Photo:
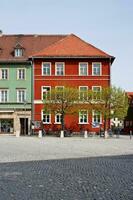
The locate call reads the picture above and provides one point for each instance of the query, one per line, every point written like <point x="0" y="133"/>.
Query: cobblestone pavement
<point x="14" y="149"/>
<point x="98" y="178"/>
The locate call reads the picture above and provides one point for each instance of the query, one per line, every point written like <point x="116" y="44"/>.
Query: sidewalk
<point x="46" y="148"/>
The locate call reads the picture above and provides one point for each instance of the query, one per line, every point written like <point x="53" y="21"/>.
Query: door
<point x="23" y="126"/>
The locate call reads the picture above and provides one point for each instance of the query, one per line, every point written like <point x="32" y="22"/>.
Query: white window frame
<point x="46" y="70"/>
<point x="18" y="78"/>
<point x="21" y="100"/>
<point x="97" y="86"/>
<point x="44" y="88"/>
<point x="7" y="97"/>
<point x="80" y="117"/>
<point x="42" y="115"/>
<point x="93" y="114"/>
<point x="56" y="87"/>
<point x="93" y="69"/>
<point x="80" y="91"/>
<point x="3" y="78"/>
<point x="58" y="114"/>
<point x="18" y="52"/>
<point x="80" y="68"/>
<point x="57" y="67"/>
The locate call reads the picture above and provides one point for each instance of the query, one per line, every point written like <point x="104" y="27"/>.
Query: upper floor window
<point x="21" y="74"/>
<point x="45" y="92"/>
<point x="46" y="69"/>
<point x="18" y="52"/>
<point x="4" y="74"/>
<point x="83" y="117"/>
<point x="96" y="69"/>
<point x="21" y="95"/>
<point x="59" y="92"/>
<point x="96" y="92"/>
<point x="59" y="69"/>
<point x="3" y="95"/>
<point x="83" y="92"/>
<point x="83" y="69"/>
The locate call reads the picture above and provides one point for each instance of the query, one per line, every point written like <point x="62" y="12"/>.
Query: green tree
<point x="111" y="102"/>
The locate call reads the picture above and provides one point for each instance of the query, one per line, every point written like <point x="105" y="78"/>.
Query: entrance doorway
<point x="6" y="126"/>
<point x="23" y="126"/>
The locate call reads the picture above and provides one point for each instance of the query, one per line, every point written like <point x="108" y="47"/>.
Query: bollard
<point x="106" y="134"/>
<point x="85" y="135"/>
<point x="40" y="134"/>
<point x="130" y="134"/>
<point x="62" y="134"/>
<point x="17" y="133"/>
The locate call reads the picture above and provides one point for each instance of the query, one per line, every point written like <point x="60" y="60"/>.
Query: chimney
<point x="1" y="33"/>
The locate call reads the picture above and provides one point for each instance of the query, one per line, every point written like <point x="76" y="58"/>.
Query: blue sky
<point x="107" y="24"/>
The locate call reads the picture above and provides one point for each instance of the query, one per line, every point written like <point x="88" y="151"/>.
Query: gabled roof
<point x="30" y="43"/>
<point x="72" y="46"/>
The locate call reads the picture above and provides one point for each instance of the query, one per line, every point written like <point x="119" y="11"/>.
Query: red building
<point x="72" y="62"/>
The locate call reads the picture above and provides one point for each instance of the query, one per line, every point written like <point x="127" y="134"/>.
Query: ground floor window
<point x="46" y="117"/>
<point x="83" y="117"/>
<point x="6" y="126"/>
<point x="96" y="119"/>
<point x="58" y="118"/>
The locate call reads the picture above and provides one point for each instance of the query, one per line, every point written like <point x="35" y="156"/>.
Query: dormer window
<point x="18" y="52"/>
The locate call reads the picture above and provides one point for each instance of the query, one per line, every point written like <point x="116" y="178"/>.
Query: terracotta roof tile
<point x="30" y="43"/>
<point x="71" y="46"/>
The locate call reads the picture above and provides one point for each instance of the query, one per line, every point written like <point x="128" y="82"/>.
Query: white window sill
<point x="47" y="123"/>
<point x="83" y="123"/>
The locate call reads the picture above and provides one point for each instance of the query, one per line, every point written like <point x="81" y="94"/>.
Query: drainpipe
<point x="32" y="93"/>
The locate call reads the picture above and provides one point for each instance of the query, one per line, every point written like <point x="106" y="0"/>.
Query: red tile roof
<point x="30" y="44"/>
<point x="129" y="94"/>
<point x="72" y="46"/>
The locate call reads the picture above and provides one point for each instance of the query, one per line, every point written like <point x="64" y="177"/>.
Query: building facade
<point x="75" y="63"/>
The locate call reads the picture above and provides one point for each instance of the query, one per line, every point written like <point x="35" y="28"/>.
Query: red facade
<point x="72" y="78"/>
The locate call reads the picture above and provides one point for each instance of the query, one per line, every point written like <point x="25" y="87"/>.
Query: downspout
<point x="32" y="94"/>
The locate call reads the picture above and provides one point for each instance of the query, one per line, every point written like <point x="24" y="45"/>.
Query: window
<point x="96" y="69"/>
<point x="46" y="92"/>
<point x="83" y="117"/>
<point x="3" y="95"/>
<point x="18" y="52"/>
<point x="4" y="74"/>
<point x="96" y="92"/>
<point x="46" y="117"/>
<point x="59" y="71"/>
<point x="96" y="119"/>
<point x="46" y="69"/>
<point x="21" y="95"/>
<point x="59" y="92"/>
<point x="83" y="92"/>
<point x="83" y="69"/>
<point x="58" y="118"/>
<point x="20" y="74"/>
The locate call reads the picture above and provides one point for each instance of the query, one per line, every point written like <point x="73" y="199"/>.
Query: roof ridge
<point x="50" y="35"/>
